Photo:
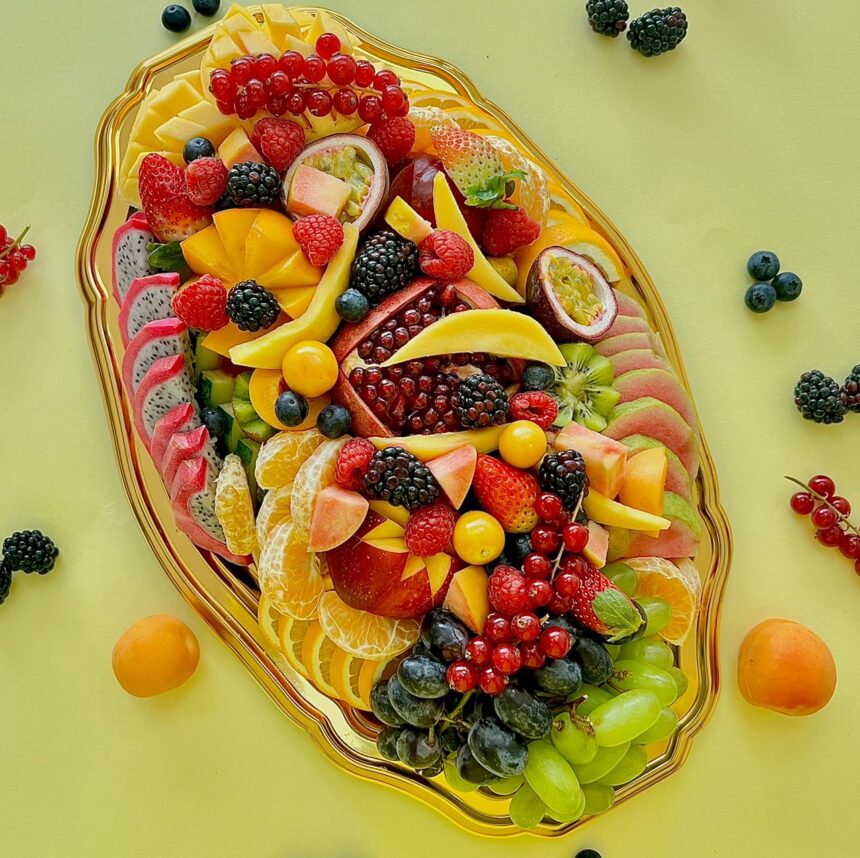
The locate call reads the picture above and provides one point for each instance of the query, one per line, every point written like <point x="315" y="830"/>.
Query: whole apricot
<point x="786" y="667"/>
<point x="155" y="655"/>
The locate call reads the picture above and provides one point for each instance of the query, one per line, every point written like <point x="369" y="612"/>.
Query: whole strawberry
<point x="319" y="236"/>
<point x="395" y="137"/>
<point x="507" y="493"/>
<point x="206" y="180"/>
<point x="278" y="141"/>
<point x="507" y="590"/>
<point x="600" y="606"/>
<point x="445" y="255"/>
<point x="170" y="213"/>
<point x="508" y="230"/>
<point x="202" y="304"/>
<point x="430" y="529"/>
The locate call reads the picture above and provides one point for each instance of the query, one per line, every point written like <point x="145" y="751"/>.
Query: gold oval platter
<point x="227" y="596"/>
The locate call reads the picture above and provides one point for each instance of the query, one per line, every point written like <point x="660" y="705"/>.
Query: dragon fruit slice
<point x="193" y="499"/>
<point x="182" y="418"/>
<point x="189" y="445"/>
<point x="159" y="339"/>
<point x="130" y="256"/>
<point x="148" y="299"/>
<point x="167" y="383"/>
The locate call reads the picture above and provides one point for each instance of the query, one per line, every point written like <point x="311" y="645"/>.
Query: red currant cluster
<point x="829" y="513"/>
<point x="14" y="256"/>
<point x="325" y="81"/>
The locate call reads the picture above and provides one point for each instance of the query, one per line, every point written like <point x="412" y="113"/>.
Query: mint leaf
<point x="616" y="612"/>
<point x="167" y="257"/>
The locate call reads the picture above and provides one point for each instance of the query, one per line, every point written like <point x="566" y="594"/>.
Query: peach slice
<point x="597" y="547"/>
<point x="338" y="514"/>
<point x="454" y="472"/>
<point x="467" y="597"/>
<point x="238" y="148"/>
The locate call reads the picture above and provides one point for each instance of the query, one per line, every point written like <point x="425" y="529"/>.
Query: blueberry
<point x="538" y="376"/>
<point x="291" y="408"/>
<point x="760" y="297"/>
<point x="215" y="420"/>
<point x="206" y="7"/>
<point x="176" y="18"/>
<point x="763" y="265"/>
<point x="197" y="147"/>
<point x="788" y="286"/>
<point x="588" y="853"/>
<point x="352" y="306"/>
<point x="517" y="546"/>
<point x="334" y="421"/>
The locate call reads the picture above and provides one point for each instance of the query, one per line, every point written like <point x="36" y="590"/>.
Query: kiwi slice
<point x="583" y="388"/>
<point x="246" y="415"/>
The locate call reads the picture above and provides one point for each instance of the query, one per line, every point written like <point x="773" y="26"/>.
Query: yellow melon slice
<point x="255" y="43"/>
<point x="233" y="226"/>
<point x="177" y="130"/>
<point x="279" y="24"/>
<point x="325" y="23"/>
<point x="175" y="97"/>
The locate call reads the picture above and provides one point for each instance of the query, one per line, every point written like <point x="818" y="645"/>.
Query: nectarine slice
<point x="338" y="514"/>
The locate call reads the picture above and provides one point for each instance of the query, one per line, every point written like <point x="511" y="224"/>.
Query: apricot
<point x="786" y="667"/>
<point x="155" y="655"/>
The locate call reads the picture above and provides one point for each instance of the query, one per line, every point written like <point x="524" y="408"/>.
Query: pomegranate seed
<point x="802" y="503"/>
<point x="575" y="537"/>
<point x="479" y="651"/>
<point x="823" y="485"/>
<point x="555" y="642"/>
<point x="327" y="45"/>
<point x="824" y="518"/>
<point x="462" y="676"/>
<point x="526" y="627"/>
<point x="566" y="584"/>
<point x="507" y="658"/>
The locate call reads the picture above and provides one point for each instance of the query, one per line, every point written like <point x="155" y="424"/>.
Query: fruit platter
<point x="402" y="415"/>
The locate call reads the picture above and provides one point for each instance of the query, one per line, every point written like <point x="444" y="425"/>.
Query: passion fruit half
<point x="354" y="161"/>
<point x="569" y="296"/>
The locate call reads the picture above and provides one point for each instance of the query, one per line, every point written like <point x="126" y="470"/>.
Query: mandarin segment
<point x="282" y="456"/>
<point x="234" y="507"/>
<point x="289" y="575"/>
<point x="274" y="510"/>
<point x="313" y="476"/>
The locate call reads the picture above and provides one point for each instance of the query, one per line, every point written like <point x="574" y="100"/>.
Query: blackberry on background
<point x="29" y="551"/>
<point x="817" y="397"/>
<point x="607" y="17"/>
<point x="849" y="394"/>
<point x="658" y="31"/>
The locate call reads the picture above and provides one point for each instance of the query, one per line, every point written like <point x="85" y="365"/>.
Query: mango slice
<point x="233" y="226"/>
<point x="427" y="447"/>
<point x="605" y="511"/>
<point x="205" y="254"/>
<point x="269" y="241"/>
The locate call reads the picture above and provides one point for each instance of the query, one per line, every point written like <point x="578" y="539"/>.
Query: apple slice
<point x="467" y="597"/>
<point x="454" y="472"/>
<point x="605" y="458"/>
<point x="338" y="514"/>
<point x="605" y="511"/>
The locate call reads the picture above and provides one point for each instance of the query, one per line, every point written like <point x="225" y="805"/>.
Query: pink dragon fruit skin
<point x="159" y="339"/>
<point x="130" y="255"/>
<point x="188" y="445"/>
<point x="181" y="418"/>
<point x="148" y="300"/>
<point x="167" y="383"/>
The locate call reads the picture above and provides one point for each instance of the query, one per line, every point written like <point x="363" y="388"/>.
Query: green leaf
<point x="167" y="257"/>
<point x="616" y="612"/>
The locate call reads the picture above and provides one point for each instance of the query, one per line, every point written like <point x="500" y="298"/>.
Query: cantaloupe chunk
<point x="236" y="148"/>
<point x="177" y="130"/>
<point x="279" y="24"/>
<point x="644" y="485"/>
<point x="175" y="97"/>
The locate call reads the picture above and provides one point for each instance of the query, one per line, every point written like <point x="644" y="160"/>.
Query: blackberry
<point x="251" y="306"/>
<point x="658" y="31"/>
<point x="385" y="263"/>
<point x="251" y="185"/>
<point x="29" y="551"/>
<point x="817" y="398"/>
<point x="564" y="474"/>
<point x="607" y="17"/>
<point x="5" y="580"/>
<point x="400" y="478"/>
<point x="850" y="392"/>
<point x="481" y="401"/>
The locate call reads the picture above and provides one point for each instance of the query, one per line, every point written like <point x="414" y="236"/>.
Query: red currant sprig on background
<point x="829" y="514"/>
<point x="14" y="256"/>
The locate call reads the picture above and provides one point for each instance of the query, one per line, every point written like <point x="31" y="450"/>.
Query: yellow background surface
<point x="744" y="138"/>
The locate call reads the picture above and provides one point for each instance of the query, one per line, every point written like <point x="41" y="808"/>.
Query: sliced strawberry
<point x="164" y="194"/>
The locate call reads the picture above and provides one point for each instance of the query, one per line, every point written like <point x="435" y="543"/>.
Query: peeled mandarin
<point x="155" y="655"/>
<point x="310" y="368"/>
<point x="522" y="443"/>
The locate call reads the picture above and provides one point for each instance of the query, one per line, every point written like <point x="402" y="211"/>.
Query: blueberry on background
<point x="206" y="7"/>
<point x="788" y="286"/>
<point x="763" y="265"/>
<point x="176" y="18"/>
<point x="760" y="297"/>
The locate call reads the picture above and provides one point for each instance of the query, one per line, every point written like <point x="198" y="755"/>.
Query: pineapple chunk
<point x="175" y="97"/>
<point x="177" y="130"/>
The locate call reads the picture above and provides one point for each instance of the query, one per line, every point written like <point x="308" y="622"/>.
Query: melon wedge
<point x="338" y="514"/>
<point x="624" y="342"/>
<point x="627" y="305"/>
<point x="680" y="540"/>
<point x="659" y="384"/>
<point x="427" y="447"/>
<point x="633" y="359"/>
<point x="628" y="325"/>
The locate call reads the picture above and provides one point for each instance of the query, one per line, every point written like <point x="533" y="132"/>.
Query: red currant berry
<point x="824" y="518"/>
<point x="17" y="262"/>
<point x="226" y="107"/>
<point x="292" y="63"/>
<point x="802" y="503"/>
<point x="278" y="83"/>
<point x="545" y="540"/>
<point x="839" y="503"/>
<point x="526" y="627"/>
<point x="462" y="676"/>
<point x="823" y="485"/>
<point x="533" y="658"/>
<point x="497" y="628"/>
<point x="296" y="101"/>
<point x="575" y="537"/>
<point x="4" y="267"/>
<point x="277" y="104"/>
<point x="559" y="605"/>
<point x="548" y="506"/>
<point x="264" y="65"/>
<point x="383" y="79"/>
<point x="507" y="658"/>
<point x="341" y="69"/>
<point x="319" y="102"/>
<point x="222" y="86"/>
<point x="479" y="651"/>
<point x="540" y="593"/>
<point x="849" y="545"/>
<point x="537" y="566"/>
<point x="364" y="73"/>
<point x="394" y="100"/>
<point x="491" y="682"/>
<point x="575" y="564"/>
<point x="345" y="102"/>
<point x="313" y="68"/>
<point x="566" y="584"/>
<point x="328" y="44"/>
<point x="256" y="92"/>
<point x="242" y="70"/>
<point x="555" y="642"/>
<point x="11" y="278"/>
<point x="370" y="108"/>
<point x="244" y="108"/>
<point x="3" y="234"/>
<point x="831" y="537"/>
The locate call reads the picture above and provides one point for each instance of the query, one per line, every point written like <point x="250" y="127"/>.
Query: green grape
<point x="455" y="780"/>
<point x="573" y="742"/>
<point x="631" y="766"/>
<point x="659" y="614"/>
<point x="625" y="717"/>
<point x="605" y="760"/>
<point x="507" y="786"/>
<point x="621" y="575"/>
<point x="552" y="778"/>
<point x="680" y="680"/>
<point x="661" y="729"/>
<point x="649" y="651"/>
<point x="598" y="798"/>
<point x="526" y="809"/>
<point x="634" y="674"/>
<point x="613" y="650"/>
<point x="593" y="695"/>
<point x="574" y="815"/>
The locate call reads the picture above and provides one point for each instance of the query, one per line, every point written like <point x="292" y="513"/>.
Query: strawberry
<point x="475" y="166"/>
<point x="169" y="211"/>
<point x="508" y="230"/>
<point x="600" y="606"/>
<point x="507" y="493"/>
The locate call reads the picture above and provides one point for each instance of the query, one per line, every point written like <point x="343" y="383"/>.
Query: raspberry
<point x="352" y="462"/>
<point x="202" y="304"/>
<point x="508" y="230"/>
<point x="535" y="405"/>
<point x="395" y="137"/>
<point x="278" y="141"/>
<point x="445" y="255"/>
<point x="507" y="590"/>
<point x="430" y="529"/>
<point x="319" y="236"/>
<point x="206" y="179"/>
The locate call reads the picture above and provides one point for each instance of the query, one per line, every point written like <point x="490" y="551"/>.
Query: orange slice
<point x="274" y="510"/>
<point x="679" y="585"/>
<point x="424" y="118"/>
<point x="344" y="673"/>
<point x="458" y="108"/>
<point x="268" y="618"/>
<point x="281" y="457"/>
<point x="561" y="201"/>
<point x="317" y="652"/>
<point x="371" y="673"/>
<point x="290" y="576"/>
<point x="291" y="635"/>
<point x="363" y="634"/>
<point x="234" y="507"/>
<point x="313" y="476"/>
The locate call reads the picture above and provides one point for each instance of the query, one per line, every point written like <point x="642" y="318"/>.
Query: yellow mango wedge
<point x="397" y="514"/>
<point x="427" y="447"/>
<point x="449" y="216"/>
<point x="318" y="322"/>
<point x="503" y="333"/>
<point x="609" y="512"/>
